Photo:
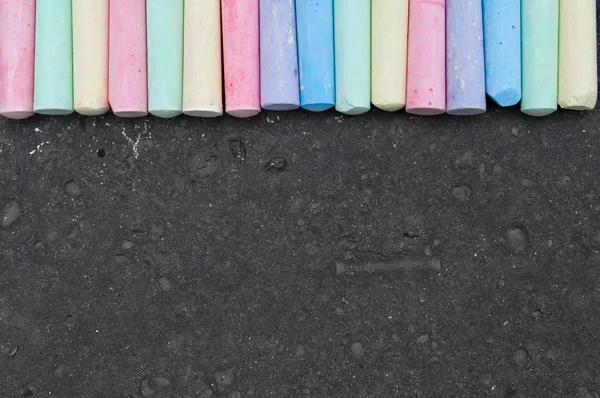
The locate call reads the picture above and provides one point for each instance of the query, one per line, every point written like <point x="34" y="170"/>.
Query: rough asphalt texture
<point x="298" y="254"/>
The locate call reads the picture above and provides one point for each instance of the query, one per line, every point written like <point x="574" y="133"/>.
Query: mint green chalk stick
<point x="352" y="42"/>
<point x="165" y="57"/>
<point x="53" y="81"/>
<point x="539" y="56"/>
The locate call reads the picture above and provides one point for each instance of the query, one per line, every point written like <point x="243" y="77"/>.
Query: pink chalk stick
<point x="17" y="42"/>
<point x="241" y="59"/>
<point x="426" y="69"/>
<point x="127" y="73"/>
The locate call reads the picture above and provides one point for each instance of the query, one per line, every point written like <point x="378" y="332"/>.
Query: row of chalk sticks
<point x="203" y="57"/>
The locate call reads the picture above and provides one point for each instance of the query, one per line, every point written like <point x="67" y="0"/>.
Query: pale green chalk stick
<point x="352" y="41"/>
<point x="165" y="57"/>
<point x="53" y="81"/>
<point x="539" y="56"/>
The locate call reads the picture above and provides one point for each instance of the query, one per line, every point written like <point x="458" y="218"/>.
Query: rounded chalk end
<point x="425" y="111"/>
<point x="352" y="110"/>
<point x="466" y="111"/>
<point x="53" y="111"/>
<point x="317" y="107"/>
<point x="88" y="111"/>
<point x="243" y="112"/>
<point x="129" y="114"/>
<point x="280" y="106"/>
<point x="389" y="106"/>
<point x="203" y="113"/>
<point x="165" y="113"/>
<point x="17" y="115"/>
<point x="538" y="112"/>
<point x="507" y="97"/>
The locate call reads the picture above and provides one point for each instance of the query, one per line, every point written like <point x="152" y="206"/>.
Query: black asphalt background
<point x="206" y="258"/>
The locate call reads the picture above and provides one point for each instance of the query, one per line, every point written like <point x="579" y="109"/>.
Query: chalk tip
<point x="17" y="115"/>
<point x="91" y="111"/>
<point x="506" y="97"/>
<point x="53" y="111"/>
<point x="465" y="111"/>
<point x="582" y="102"/>
<point x="129" y="114"/>
<point x="429" y="111"/>
<point x="317" y="106"/>
<point x="352" y="110"/>
<point x="290" y="106"/>
<point x="243" y="112"/>
<point x="389" y="106"/>
<point x="538" y="112"/>
<point x="165" y="113"/>
<point x="202" y="113"/>
<point x="577" y="107"/>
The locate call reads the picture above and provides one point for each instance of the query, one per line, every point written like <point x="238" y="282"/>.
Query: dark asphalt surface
<point x="298" y="254"/>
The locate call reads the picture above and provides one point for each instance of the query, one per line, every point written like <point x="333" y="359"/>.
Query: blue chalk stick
<point x="314" y="24"/>
<point x="502" y="47"/>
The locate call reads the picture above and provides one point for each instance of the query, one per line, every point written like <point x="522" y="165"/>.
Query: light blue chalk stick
<point x="539" y="24"/>
<point x="314" y="24"/>
<point x="502" y="47"/>
<point x="352" y="27"/>
<point x="53" y="82"/>
<point x="165" y="57"/>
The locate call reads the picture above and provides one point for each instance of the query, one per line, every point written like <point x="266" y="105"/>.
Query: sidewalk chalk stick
<point x="314" y="25"/>
<point x="17" y="43"/>
<point x="352" y="38"/>
<point x="90" y="56"/>
<point x="389" y="39"/>
<point x="577" y="55"/>
<point x="202" y="77"/>
<point x="241" y="60"/>
<point x="539" y="26"/>
<point x="127" y="89"/>
<point x="426" y="73"/>
<point x="165" y="57"/>
<point x="502" y="48"/>
<point x="465" y="66"/>
<point x="53" y="86"/>
<point x="279" y="90"/>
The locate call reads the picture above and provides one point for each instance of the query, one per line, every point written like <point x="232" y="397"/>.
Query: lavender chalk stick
<point x="465" y="69"/>
<point x="279" y="89"/>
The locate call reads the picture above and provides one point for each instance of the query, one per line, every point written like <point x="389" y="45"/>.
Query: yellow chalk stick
<point x="202" y="78"/>
<point x="577" y="73"/>
<point x="90" y="56"/>
<point x="389" y="32"/>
